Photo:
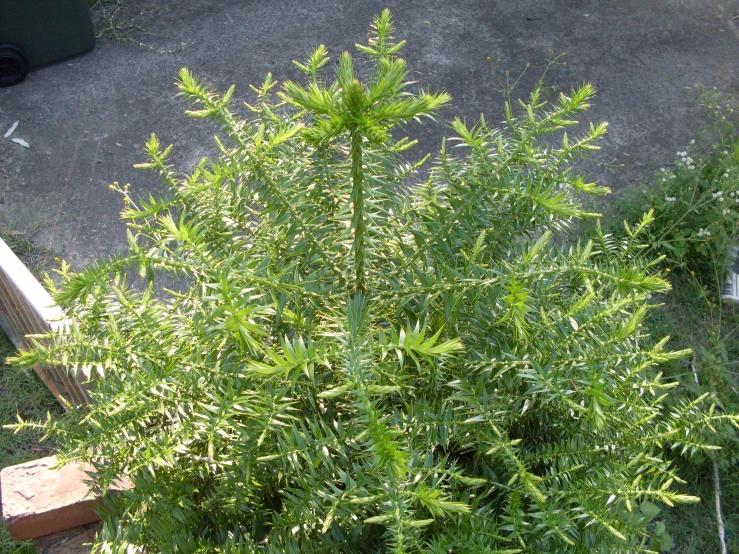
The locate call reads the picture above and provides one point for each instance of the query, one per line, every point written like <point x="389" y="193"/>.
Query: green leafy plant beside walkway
<point x="363" y="361"/>
<point x="695" y="207"/>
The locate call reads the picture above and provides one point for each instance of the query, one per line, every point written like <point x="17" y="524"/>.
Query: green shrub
<point x="695" y="206"/>
<point x="356" y="361"/>
<point x="695" y="211"/>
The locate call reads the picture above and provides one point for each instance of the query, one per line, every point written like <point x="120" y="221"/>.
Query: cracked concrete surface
<point x="86" y="118"/>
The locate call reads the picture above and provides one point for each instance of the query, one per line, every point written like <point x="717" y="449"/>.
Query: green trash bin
<point x="38" y="32"/>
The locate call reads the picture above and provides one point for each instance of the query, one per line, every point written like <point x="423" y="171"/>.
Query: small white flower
<point x="662" y="169"/>
<point x="725" y="211"/>
<point x="692" y="141"/>
<point x="670" y="198"/>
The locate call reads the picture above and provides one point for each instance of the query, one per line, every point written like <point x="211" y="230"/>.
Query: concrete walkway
<point x="87" y="118"/>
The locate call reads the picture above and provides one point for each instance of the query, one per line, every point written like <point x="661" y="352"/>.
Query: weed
<point x="113" y="21"/>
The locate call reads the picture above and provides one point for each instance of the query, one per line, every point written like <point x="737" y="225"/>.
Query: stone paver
<point x="38" y="500"/>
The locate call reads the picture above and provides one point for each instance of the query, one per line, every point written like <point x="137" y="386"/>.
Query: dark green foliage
<point x="693" y="527"/>
<point x="364" y="363"/>
<point x="698" y="319"/>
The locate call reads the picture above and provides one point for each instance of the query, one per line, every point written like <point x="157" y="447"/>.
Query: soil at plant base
<point x="86" y="118"/>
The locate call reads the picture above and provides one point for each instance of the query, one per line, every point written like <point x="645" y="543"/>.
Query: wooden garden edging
<point x="38" y="502"/>
<point x="26" y="308"/>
